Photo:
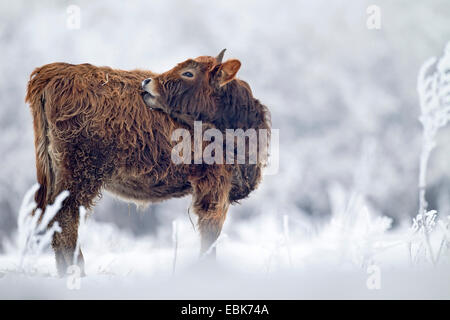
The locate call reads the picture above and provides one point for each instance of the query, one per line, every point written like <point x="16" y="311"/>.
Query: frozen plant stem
<point x="427" y="146"/>
<point x="286" y="237"/>
<point x="425" y="155"/>
<point x="175" y="245"/>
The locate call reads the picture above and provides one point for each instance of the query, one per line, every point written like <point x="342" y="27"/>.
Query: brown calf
<point x="94" y="131"/>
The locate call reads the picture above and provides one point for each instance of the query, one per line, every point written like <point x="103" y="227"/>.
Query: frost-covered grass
<point x="34" y="232"/>
<point x="270" y="256"/>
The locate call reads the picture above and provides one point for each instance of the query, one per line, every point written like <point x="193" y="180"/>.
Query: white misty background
<point x="344" y="98"/>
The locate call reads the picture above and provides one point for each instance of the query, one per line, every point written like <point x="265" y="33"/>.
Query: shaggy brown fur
<point x="93" y="131"/>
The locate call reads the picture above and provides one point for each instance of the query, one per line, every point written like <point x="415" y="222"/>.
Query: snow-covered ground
<point x="271" y="256"/>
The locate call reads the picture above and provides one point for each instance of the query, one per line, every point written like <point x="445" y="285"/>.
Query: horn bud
<point x="219" y="57"/>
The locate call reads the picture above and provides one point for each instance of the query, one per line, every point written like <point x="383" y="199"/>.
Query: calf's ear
<point x="228" y="71"/>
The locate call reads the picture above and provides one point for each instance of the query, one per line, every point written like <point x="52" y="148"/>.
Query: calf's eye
<point x="187" y="74"/>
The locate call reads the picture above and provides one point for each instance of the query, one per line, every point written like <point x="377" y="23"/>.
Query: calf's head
<point x="206" y="89"/>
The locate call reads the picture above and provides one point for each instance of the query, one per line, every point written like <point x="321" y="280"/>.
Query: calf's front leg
<point x="210" y="203"/>
<point x="210" y="225"/>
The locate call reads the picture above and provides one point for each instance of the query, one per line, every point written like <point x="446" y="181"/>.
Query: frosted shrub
<point x="33" y="234"/>
<point x="434" y="95"/>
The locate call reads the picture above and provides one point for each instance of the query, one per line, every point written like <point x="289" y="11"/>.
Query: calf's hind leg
<point x="84" y="186"/>
<point x="64" y="243"/>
